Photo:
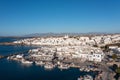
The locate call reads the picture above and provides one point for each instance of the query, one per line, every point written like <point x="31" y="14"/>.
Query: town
<point x="88" y="53"/>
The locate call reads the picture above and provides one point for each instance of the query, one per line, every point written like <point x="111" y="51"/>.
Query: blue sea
<point x="12" y="70"/>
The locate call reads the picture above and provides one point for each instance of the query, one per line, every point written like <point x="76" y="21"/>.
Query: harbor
<point x="65" y="54"/>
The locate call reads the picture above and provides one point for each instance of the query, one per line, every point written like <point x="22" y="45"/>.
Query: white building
<point x="97" y="57"/>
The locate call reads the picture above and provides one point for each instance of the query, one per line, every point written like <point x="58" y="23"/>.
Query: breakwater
<point x="10" y="43"/>
<point x="22" y="52"/>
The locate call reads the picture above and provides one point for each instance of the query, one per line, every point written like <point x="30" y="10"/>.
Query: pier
<point x="10" y="43"/>
<point x="23" y="52"/>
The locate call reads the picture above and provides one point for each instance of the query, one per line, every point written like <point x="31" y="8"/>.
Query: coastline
<point x="104" y="67"/>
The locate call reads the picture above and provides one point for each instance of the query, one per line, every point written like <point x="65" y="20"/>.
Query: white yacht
<point x="49" y="66"/>
<point x="26" y="61"/>
<point x="63" y="66"/>
<point x="81" y="69"/>
<point x="39" y="63"/>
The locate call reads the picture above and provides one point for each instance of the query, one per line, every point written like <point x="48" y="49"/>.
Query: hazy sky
<point x="19" y="17"/>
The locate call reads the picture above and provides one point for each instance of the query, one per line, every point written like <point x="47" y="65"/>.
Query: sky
<point x="21" y="17"/>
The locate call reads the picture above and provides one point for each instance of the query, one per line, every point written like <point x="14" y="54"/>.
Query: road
<point x="107" y="73"/>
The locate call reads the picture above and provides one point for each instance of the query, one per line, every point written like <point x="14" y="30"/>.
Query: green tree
<point x="114" y="56"/>
<point x="118" y="70"/>
<point x="115" y="66"/>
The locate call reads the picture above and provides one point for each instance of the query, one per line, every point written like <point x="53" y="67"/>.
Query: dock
<point x="23" y="52"/>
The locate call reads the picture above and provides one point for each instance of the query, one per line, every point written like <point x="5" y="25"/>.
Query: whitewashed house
<point x="96" y="57"/>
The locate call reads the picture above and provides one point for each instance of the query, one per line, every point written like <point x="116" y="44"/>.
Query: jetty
<point x="10" y="43"/>
<point x="2" y="57"/>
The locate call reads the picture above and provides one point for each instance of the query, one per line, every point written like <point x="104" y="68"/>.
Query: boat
<point x="81" y="69"/>
<point x="39" y="63"/>
<point x="86" y="77"/>
<point x="11" y="57"/>
<point x="8" y="58"/>
<point x="26" y="61"/>
<point x="48" y="66"/>
<point x="87" y="69"/>
<point x="80" y="78"/>
<point x="63" y="66"/>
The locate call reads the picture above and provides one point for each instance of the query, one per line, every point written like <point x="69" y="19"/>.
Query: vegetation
<point x="117" y="73"/>
<point x="105" y="48"/>
<point x="114" y="56"/>
<point x="115" y="66"/>
<point x="118" y="70"/>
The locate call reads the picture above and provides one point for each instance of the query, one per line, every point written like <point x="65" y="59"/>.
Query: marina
<point x="21" y="72"/>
